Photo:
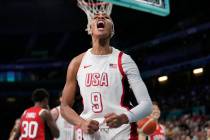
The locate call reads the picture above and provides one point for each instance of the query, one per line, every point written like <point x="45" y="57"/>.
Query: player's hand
<point x="155" y="113"/>
<point x="89" y="126"/>
<point x="113" y="120"/>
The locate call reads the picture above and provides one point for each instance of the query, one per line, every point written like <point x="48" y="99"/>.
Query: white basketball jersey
<point x="65" y="128"/>
<point x="100" y="81"/>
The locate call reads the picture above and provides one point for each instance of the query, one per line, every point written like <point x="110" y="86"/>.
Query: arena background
<point x="39" y="38"/>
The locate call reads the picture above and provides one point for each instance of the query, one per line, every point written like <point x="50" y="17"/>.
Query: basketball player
<point x="100" y="73"/>
<point x="37" y="123"/>
<point x="66" y="129"/>
<point x="159" y="133"/>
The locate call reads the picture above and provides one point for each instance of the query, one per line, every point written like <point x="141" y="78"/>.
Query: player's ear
<point x="113" y="32"/>
<point x="89" y="29"/>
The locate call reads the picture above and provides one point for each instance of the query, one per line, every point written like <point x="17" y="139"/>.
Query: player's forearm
<point x="141" y="137"/>
<point x="55" y="131"/>
<point x="140" y="111"/>
<point x="46" y="115"/>
<point x="15" y="132"/>
<point x="14" y="135"/>
<point x="70" y="115"/>
<point x="144" y="107"/>
<point x="139" y="89"/>
<point x="53" y="127"/>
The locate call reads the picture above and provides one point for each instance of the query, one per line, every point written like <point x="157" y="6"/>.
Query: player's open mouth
<point x="100" y="24"/>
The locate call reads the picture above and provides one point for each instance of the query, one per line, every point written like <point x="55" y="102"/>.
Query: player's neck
<point x="38" y="105"/>
<point x="101" y="47"/>
<point x="101" y="50"/>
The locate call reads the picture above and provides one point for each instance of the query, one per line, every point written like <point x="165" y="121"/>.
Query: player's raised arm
<point x="47" y="117"/>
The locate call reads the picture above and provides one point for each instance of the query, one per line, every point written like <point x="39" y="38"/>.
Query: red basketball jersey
<point x="159" y="133"/>
<point x="32" y="127"/>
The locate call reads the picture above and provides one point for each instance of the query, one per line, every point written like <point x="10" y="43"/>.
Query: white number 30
<point x="30" y="129"/>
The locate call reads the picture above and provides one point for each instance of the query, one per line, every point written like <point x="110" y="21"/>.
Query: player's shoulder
<point x="55" y="112"/>
<point x="77" y="60"/>
<point x="44" y="112"/>
<point x="79" y="57"/>
<point x="55" y="109"/>
<point x="30" y="109"/>
<point x="126" y="58"/>
<point x="26" y="111"/>
<point x="120" y="52"/>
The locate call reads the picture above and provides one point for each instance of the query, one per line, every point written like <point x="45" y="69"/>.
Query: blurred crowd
<point x="185" y="112"/>
<point x="193" y="99"/>
<point x="188" y="127"/>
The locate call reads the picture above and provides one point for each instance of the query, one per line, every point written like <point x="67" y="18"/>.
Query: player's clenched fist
<point x="113" y="120"/>
<point x="89" y="126"/>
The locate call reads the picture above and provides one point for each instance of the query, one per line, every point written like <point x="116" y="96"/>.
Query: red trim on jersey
<point x="123" y="79"/>
<point x="123" y="94"/>
<point x="133" y="134"/>
<point x="133" y="131"/>
<point x="120" y="64"/>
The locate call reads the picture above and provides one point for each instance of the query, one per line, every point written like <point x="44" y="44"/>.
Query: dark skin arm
<point x="68" y="96"/>
<point x="47" y="117"/>
<point x="15" y="133"/>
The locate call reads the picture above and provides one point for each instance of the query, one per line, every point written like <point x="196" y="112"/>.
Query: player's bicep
<point x="70" y="85"/>
<point x="48" y="118"/>
<point x="135" y="81"/>
<point x="68" y="94"/>
<point x="131" y="70"/>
